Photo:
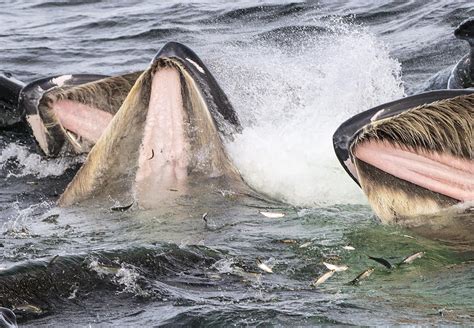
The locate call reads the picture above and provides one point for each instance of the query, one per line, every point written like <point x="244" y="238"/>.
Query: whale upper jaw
<point x="163" y="141"/>
<point x="412" y="157"/>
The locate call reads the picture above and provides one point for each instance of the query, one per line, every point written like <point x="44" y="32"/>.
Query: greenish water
<point x="173" y="268"/>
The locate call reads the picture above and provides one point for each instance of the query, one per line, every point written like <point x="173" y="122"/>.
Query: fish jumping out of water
<point x="151" y="136"/>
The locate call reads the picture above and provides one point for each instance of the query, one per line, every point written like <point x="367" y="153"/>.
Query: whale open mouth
<point x="162" y="140"/>
<point x="69" y="113"/>
<point x="148" y="135"/>
<point x="181" y="144"/>
<point x="430" y="146"/>
<point x="412" y="156"/>
<point x="441" y="173"/>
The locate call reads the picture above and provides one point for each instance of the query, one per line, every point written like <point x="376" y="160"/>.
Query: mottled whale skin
<point x="413" y="158"/>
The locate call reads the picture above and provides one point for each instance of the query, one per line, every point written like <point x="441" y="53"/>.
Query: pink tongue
<point x="441" y="173"/>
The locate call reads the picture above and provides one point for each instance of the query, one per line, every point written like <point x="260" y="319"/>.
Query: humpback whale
<point x="10" y="89"/>
<point x="461" y="75"/>
<point x="150" y="137"/>
<point x="57" y="106"/>
<point x="413" y="158"/>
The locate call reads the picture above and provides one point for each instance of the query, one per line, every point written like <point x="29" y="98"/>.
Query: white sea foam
<point x="291" y="101"/>
<point x="34" y="164"/>
<point x="224" y="265"/>
<point x="19" y="223"/>
<point x="127" y="276"/>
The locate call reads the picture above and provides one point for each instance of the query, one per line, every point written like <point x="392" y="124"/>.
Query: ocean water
<point x="294" y="71"/>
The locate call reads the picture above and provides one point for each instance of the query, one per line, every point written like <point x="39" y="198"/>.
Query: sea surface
<point x="294" y="71"/>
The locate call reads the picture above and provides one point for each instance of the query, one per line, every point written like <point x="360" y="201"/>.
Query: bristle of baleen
<point x="441" y="126"/>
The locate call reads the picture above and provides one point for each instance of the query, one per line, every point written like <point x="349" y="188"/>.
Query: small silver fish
<point x="348" y="248"/>
<point x="272" y="215"/>
<point x="336" y="268"/>
<point x="53" y="260"/>
<point x="305" y="244"/>
<point x="214" y="276"/>
<point x="323" y="278"/>
<point x="382" y="261"/>
<point x="412" y="258"/>
<point x="263" y="266"/>
<point x="363" y="275"/>
<point x="28" y="308"/>
<point x="105" y="269"/>
<point x="51" y="219"/>
<point x="288" y="241"/>
<point x="209" y="222"/>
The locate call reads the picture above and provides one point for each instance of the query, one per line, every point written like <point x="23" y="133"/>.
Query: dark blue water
<point x="294" y="71"/>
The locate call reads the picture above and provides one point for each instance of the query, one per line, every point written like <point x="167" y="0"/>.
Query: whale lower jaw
<point x="398" y="202"/>
<point x="403" y="184"/>
<point x="161" y="145"/>
<point x="395" y="200"/>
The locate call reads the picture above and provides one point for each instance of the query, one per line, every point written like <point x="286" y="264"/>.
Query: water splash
<point x="124" y="275"/>
<point x="20" y="223"/>
<point x="34" y="164"/>
<point x="291" y="100"/>
<point x="224" y="265"/>
<point x="128" y="277"/>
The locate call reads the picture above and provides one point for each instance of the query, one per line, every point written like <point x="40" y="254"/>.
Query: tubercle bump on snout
<point x="165" y="62"/>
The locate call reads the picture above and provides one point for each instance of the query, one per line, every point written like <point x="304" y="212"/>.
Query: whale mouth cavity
<point x="81" y="121"/>
<point x="68" y="114"/>
<point x="442" y="173"/>
<point x="181" y="148"/>
<point x="412" y="160"/>
<point x="165" y="142"/>
<point x="164" y="148"/>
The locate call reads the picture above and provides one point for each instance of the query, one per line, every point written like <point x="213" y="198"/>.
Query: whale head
<point x="163" y="142"/>
<point x="413" y="157"/>
<point x="465" y="30"/>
